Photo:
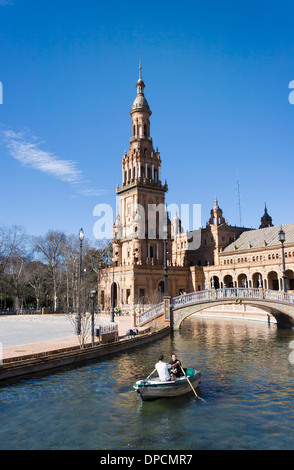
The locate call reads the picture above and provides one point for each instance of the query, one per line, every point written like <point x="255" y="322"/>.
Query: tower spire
<point x="140" y="69"/>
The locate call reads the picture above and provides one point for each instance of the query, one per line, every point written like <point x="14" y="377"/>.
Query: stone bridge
<point x="277" y="303"/>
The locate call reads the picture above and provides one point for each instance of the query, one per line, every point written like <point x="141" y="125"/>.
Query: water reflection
<point x="247" y="383"/>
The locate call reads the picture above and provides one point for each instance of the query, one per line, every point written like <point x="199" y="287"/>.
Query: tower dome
<point x="266" y="220"/>
<point x="140" y="100"/>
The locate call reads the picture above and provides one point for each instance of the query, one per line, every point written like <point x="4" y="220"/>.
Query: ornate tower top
<point x="141" y="165"/>
<point x="140" y="102"/>
<point x="266" y="220"/>
<point x="216" y="215"/>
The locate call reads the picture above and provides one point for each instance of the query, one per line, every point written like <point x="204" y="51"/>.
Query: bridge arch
<point x="277" y="303"/>
<point x="281" y="307"/>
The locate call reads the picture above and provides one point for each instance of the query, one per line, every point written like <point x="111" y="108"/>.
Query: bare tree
<point x="13" y="255"/>
<point x="50" y="248"/>
<point x="70" y="253"/>
<point x="35" y="274"/>
<point x="85" y="331"/>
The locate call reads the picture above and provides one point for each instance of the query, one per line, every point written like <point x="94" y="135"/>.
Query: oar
<point x="150" y="374"/>
<point x="191" y="384"/>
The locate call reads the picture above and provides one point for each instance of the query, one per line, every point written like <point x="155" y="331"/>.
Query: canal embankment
<point x="41" y="361"/>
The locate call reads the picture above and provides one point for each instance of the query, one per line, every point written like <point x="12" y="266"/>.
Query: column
<point x="146" y="170"/>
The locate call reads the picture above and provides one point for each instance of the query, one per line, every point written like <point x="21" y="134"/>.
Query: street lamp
<point x="282" y="239"/>
<point x="93" y="295"/>
<point x="84" y="302"/>
<point x="112" y="293"/>
<point x="78" y="315"/>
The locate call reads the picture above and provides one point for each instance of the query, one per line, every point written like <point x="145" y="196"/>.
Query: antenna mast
<point x="239" y="198"/>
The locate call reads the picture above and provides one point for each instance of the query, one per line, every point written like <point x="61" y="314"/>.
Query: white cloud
<point x="26" y="149"/>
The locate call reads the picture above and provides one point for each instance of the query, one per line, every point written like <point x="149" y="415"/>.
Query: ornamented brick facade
<point x="227" y="255"/>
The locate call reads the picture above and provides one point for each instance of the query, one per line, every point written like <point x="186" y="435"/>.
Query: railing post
<point x="167" y="311"/>
<point x="260" y="292"/>
<point x="134" y="317"/>
<point x="213" y="294"/>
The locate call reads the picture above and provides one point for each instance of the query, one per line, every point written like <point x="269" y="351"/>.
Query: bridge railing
<point x="278" y="295"/>
<point x="224" y="293"/>
<point x="149" y="314"/>
<point x="232" y="293"/>
<point x="191" y="298"/>
<point x="237" y="292"/>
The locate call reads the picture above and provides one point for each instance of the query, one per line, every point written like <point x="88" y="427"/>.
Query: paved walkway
<point x="24" y="335"/>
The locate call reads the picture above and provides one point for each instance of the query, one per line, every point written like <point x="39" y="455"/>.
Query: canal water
<point x="247" y="384"/>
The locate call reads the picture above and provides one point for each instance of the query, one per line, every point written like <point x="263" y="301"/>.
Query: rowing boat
<point x="155" y="388"/>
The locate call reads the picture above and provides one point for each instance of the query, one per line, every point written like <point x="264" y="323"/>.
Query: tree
<point x="13" y="255"/>
<point x="50" y="247"/>
<point x="35" y="274"/>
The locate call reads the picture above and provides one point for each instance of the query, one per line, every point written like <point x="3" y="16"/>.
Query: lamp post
<point x="85" y="283"/>
<point x="93" y="295"/>
<point x="282" y="239"/>
<point x="78" y="315"/>
<point x="112" y="294"/>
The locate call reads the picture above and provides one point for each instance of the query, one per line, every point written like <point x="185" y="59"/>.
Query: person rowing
<point x="163" y="369"/>
<point x="175" y="367"/>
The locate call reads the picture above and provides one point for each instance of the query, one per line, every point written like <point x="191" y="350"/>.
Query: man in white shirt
<point x="163" y="369"/>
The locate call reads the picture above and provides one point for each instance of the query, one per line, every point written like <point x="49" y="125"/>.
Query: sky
<point x="217" y="76"/>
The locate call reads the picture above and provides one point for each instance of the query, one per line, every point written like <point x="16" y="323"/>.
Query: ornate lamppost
<point x="165" y="292"/>
<point x="282" y="239"/>
<point x="112" y="293"/>
<point x="78" y="315"/>
<point x="93" y="296"/>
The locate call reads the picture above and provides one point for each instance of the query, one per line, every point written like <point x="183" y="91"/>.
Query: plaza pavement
<point x="23" y="335"/>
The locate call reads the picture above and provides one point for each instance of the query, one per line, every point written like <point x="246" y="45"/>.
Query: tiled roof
<point x="258" y="238"/>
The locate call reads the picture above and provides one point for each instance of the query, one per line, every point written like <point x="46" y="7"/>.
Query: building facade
<point x="225" y="255"/>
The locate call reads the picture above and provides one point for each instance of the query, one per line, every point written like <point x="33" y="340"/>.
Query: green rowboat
<point x="151" y="388"/>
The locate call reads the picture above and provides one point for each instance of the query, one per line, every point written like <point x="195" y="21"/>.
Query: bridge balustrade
<point x="191" y="298"/>
<point x="149" y="314"/>
<point x="216" y="294"/>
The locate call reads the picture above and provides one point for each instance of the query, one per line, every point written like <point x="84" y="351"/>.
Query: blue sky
<point x="217" y="80"/>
